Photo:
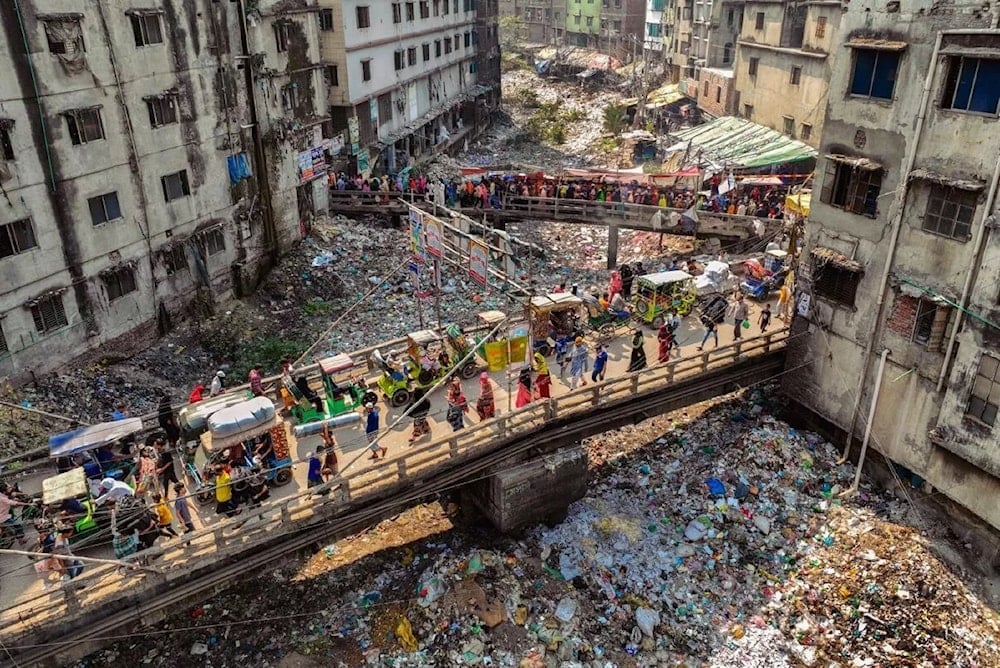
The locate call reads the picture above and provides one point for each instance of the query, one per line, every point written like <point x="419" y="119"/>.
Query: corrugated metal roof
<point x="739" y="143"/>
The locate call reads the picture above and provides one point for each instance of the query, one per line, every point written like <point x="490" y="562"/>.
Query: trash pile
<point x="723" y="543"/>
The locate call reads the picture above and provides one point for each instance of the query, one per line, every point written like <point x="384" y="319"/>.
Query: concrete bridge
<point x="528" y="453"/>
<point x="613" y="215"/>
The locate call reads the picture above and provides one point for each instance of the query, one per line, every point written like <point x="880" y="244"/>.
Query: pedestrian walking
<point x="8" y="520"/>
<point x="168" y="421"/>
<point x="543" y="381"/>
<point x="224" y="503"/>
<point x="615" y="285"/>
<point x="765" y="318"/>
<point x="164" y="518"/>
<point x="710" y="331"/>
<point x="165" y="472"/>
<point x="420" y="406"/>
<point x="485" y="405"/>
<point x="625" y="271"/>
<point x="182" y="508"/>
<point x="600" y="363"/>
<point x="637" y="361"/>
<point x="562" y="355"/>
<point x="740" y="313"/>
<point x="524" y="393"/>
<point x="314" y="478"/>
<point x="371" y="430"/>
<point x="784" y="297"/>
<point x="457" y="405"/>
<point x="579" y="363"/>
<point x="665" y="339"/>
<point x="216" y="387"/>
<point x="330" y="464"/>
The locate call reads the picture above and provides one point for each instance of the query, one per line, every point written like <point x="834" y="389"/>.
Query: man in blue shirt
<point x="600" y="363"/>
<point x="371" y="431"/>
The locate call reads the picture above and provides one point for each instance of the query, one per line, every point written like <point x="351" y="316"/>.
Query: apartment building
<point x="404" y="77"/>
<point x="621" y="28"/>
<point x="132" y="151"/>
<point x="898" y="326"/>
<point x="701" y="51"/>
<point x="783" y="60"/>
<point x="658" y="30"/>
<point x="534" y="21"/>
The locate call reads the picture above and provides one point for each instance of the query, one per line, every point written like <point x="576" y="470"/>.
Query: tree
<point x="511" y="30"/>
<point x="615" y="120"/>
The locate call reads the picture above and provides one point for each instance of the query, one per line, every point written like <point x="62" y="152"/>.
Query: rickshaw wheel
<point x="282" y="477"/>
<point x="369" y="398"/>
<point x="641" y="306"/>
<point x="544" y="350"/>
<point x="205" y="498"/>
<point x="469" y="371"/>
<point x="657" y="322"/>
<point x="607" y="330"/>
<point x="399" y="398"/>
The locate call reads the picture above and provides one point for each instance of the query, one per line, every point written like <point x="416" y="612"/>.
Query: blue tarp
<point x="89" y="438"/>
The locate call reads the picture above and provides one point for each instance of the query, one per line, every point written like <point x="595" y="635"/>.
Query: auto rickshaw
<point x="656" y="294"/>
<point x="72" y="486"/>
<point x="429" y="357"/>
<point x="346" y="396"/>
<point x="394" y="379"/>
<point x="89" y="448"/>
<point x="552" y="317"/>
<point x="251" y="439"/>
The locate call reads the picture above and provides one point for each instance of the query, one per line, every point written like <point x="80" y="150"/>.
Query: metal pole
<point x="437" y="290"/>
<point x="507" y="322"/>
<point x="868" y="427"/>
<point x="416" y="294"/>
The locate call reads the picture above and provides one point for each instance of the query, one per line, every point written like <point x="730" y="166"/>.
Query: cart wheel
<point x="399" y="398"/>
<point x="641" y="307"/>
<point x="205" y="498"/>
<point x="282" y="477"/>
<point x="544" y="349"/>
<point x="607" y="331"/>
<point x="369" y="398"/>
<point x="657" y="322"/>
<point x="469" y="371"/>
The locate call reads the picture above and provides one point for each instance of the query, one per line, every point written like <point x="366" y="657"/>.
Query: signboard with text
<point x="417" y="235"/>
<point x="479" y="262"/>
<point x="434" y="236"/>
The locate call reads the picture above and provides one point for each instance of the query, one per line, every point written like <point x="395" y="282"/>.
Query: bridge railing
<point x="237" y="535"/>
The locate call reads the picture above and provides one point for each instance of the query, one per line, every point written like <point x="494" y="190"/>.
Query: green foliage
<point x="525" y="97"/>
<point x="615" y="120"/>
<point x="316" y="307"/>
<point x="549" y="123"/>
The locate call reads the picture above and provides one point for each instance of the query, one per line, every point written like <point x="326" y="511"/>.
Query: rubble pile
<point x="723" y="543"/>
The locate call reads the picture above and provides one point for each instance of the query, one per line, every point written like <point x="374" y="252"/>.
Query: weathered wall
<point x="926" y="430"/>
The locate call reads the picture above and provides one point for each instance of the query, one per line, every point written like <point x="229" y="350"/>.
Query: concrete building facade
<point x="534" y="21"/>
<point x="405" y="79"/>
<point x="131" y="164"/>
<point x="900" y="275"/>
<point x="782" y="64"/>
<point x="621" y="28"/>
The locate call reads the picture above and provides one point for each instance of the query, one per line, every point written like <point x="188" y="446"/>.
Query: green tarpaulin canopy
<point x="741" y="144"/>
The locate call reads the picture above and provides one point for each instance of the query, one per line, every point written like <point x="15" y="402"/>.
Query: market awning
<point x="941" y="179"/>
<point x="838" y="260"/>
<point x="740" y="144"/>
<point x="798" y="203"/>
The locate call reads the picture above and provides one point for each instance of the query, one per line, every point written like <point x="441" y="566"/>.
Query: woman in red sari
<point x="666" y="341"/>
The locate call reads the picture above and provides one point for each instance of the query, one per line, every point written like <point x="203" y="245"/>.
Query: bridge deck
<point x="104" y="597"/>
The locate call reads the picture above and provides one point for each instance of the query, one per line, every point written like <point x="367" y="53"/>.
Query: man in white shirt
<point x="113" y="490"/>
<point x="216" y="384"/>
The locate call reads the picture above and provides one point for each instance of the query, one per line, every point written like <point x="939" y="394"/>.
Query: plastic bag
<point x="430" y="590"/>
<point x="746" y="324"/>
<point x="566" y="609"/>
<point x="646" y="619"/>
<point x="405" y="634"/>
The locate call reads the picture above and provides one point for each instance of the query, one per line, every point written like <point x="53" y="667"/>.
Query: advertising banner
<point x="434" y="235"/>
<point x="479" y="262"/>
<point x="417" y="236"/>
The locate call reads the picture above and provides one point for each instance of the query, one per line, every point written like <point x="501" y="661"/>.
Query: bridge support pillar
<point x="539" y="489"/>
<point x="612" y="247"/>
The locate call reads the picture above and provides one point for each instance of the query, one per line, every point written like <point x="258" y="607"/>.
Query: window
<point x="84" y="125"/>
<point x="852" y="184"/>
<point x="748" y="111"/>
<point x="146" y="29"/>
<point x="425" y="10"/>
<point x="973" y="84"/>
<point x="467" y="40"/>
<point x="445" y="7"/>
<point x="576" y="19"/>
<point x="175" y="259"/>
<point x="924" y="321"/>
<point x="162" y="110"/>
<point x="874" y="73"/>
<point x="437" y="7"/>
<point x="175" y="185"/>
<point x="437" y="48"/>
<point x="398" y="60"/>
<point x="366" y="69"/>
<point x="17" y="237"/>
<point x="590" y="20"/>
<point x="718" y="94"/>
<point x="281" y="36"/>
<point x="104" y="208"/>
<point x="985" y="395"/>
<point x="410" y="14"/>
<point x="759" y="21"/>
<point x="789" y="126"/>
<point x="384" y="108"/>
<point x="806" y="133"/>
<point x="426" y="48"/>
<point x="214" y="240"/>
<point x="458" y="41"/>
<point x="397" y="12"/>
<point x="332" y="75"/>
<point x="752" y="66"/>
<point x="411" y="56"/>
<point x="727" y="52"/>
<point x="447" y="46"/>
<point x="65" y="36"/>
<point x="617" y="26"/>
<point x="949" y="212"/>
<point x="796" y="76"/>
<point x="3" y="341"/>
<point x="834" y="282"/>
<point x="820" y="27"/>
<point x="119" y="282"/>
<point x="704" y="92"/>
<point x="289" y="97"/>
<point x="49" y="314"/>
<point x="363" y="17"/>
<point x="326" y="20"/>
<point x="6" y="146"/>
